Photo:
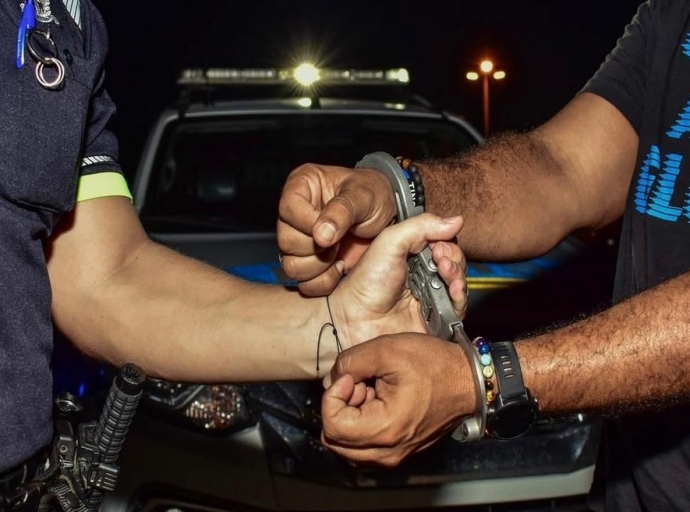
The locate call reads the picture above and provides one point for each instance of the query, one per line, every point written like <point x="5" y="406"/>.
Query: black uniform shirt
<point x="54" y="146"/>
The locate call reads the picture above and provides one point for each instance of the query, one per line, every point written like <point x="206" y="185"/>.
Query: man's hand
<point x="374" y="298"/>
<point x="423" y="389"/>
<point x="330" y="214"/>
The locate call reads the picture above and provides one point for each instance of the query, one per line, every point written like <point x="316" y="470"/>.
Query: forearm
<point x="512" y="193"/>
<point x="633" y="356"/>
<point x="521" y="194"/>
<point x="183" y="320"/>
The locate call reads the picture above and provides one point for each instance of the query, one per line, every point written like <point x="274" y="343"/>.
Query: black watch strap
<point x="507" y="368"/>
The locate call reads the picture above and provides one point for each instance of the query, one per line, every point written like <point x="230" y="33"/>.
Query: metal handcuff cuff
<point x="427" y="287"/>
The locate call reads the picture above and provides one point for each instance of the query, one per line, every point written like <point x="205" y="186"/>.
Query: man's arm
<point x="522" y="194"/>
<point x="121" y="297"/>
<point x="629" y="358"/>
<point x="519" y="194"/>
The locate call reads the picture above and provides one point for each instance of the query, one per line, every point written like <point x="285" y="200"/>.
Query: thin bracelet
<point x="484" y="350"/>
<point x="338" y="345"/>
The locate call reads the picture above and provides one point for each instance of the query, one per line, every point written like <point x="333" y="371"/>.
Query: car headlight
<point x="212" y="408"/>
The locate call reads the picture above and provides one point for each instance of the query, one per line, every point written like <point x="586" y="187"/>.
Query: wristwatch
<point x="514" y="410"/>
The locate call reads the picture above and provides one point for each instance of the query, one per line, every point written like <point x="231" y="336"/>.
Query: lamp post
<point x="486" y="71"/>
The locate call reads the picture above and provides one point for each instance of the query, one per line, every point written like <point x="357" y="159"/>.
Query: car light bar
<point x="305" y="75"/>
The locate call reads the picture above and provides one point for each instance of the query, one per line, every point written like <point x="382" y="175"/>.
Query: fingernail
<point x="340" y="266"/>
<point x="326" y="231"/>
<point x="452" y="220"/>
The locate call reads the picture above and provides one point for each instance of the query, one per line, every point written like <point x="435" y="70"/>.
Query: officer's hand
<point x="330" y="214"/>
<point x="374" y="298"/>
<point x="423" y="388"/>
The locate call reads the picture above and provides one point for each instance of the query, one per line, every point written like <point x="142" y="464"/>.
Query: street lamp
<point x="486" y="71"/>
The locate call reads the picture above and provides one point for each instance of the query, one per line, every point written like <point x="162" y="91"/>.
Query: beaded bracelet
<point x="487" y="363"/>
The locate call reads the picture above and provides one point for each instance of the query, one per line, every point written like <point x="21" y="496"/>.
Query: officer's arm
<point x="121" y="297"/>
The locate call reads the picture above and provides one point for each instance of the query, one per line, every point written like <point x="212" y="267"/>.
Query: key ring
<point x="49" y="53"/>
<point x="57" y="81"/>
<point x="46" y="58"/>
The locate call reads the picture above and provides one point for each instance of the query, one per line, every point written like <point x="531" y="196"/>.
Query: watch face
<point x="513" y="420"/>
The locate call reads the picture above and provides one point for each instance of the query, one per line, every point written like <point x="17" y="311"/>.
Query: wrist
<point x="535" y="381"/>
<point x="462" y="387"/>
<point x="328" y="338"/>
<point x="336" y="313"/>
<point x="514" y="409"/>
<point x="404" y="181"/>
<point x="383" y="207"/>
<point x="384" y="190"/>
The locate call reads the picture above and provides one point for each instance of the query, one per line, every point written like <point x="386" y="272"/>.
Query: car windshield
<point x="225" y="174"/>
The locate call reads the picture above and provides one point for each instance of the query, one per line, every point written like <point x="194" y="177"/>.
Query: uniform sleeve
<point x="100" y="174"/>
<point x="621" y="79"/>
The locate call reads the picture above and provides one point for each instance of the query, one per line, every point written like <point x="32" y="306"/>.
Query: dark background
<point x="548" y="49"/>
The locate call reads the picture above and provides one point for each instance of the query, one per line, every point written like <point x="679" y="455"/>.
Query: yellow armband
<point x="102" y="184"/>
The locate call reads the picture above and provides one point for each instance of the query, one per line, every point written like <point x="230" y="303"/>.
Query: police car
<point x="208" y="185"/>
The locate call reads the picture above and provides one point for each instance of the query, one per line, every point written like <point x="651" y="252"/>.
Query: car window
<point x="226" y="174"/>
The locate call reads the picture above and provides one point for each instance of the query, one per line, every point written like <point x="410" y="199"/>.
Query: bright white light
<point x="486" y="66"/>
<point x="306" y="74"/>
<point x="472" y="75"/>
<point x="304" y="102"/>
<point x="499" y="75"/>
<point x="399" y="75"/>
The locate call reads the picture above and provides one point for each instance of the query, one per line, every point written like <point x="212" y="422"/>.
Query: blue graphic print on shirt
<point x="656" y="191"/>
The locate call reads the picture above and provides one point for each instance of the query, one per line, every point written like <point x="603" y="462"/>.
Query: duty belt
<point x="13" y="478"/>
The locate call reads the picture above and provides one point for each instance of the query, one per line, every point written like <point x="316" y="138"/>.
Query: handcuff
<point x="430" y="290"/>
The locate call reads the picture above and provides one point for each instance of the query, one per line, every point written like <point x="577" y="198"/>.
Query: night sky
<point x="548" y="49"/>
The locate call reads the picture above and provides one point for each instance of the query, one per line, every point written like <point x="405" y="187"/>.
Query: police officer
<point x="71" y="246"/>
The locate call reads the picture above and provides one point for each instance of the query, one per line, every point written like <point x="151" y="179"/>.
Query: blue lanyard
<point x="28" y="22"/>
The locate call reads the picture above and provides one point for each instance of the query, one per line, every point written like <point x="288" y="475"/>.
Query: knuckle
<point x="290" y="266"/>
<point x="329" y="434"/>
<point x="329" y="439"/>
<point x="341" y="363"/>
<point x="305" y="168"/>
<point x="319" y="286"/>
<point x="284" y="207"/>
<point x="462" y="260"/>
<point x="342" y="204"/>
<point x="284" y="236"/>
<point x="335" y="432"/>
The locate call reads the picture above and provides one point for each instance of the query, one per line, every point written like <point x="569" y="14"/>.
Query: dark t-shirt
<point x="645" y="461"/>
<point x="48" y="139"/>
